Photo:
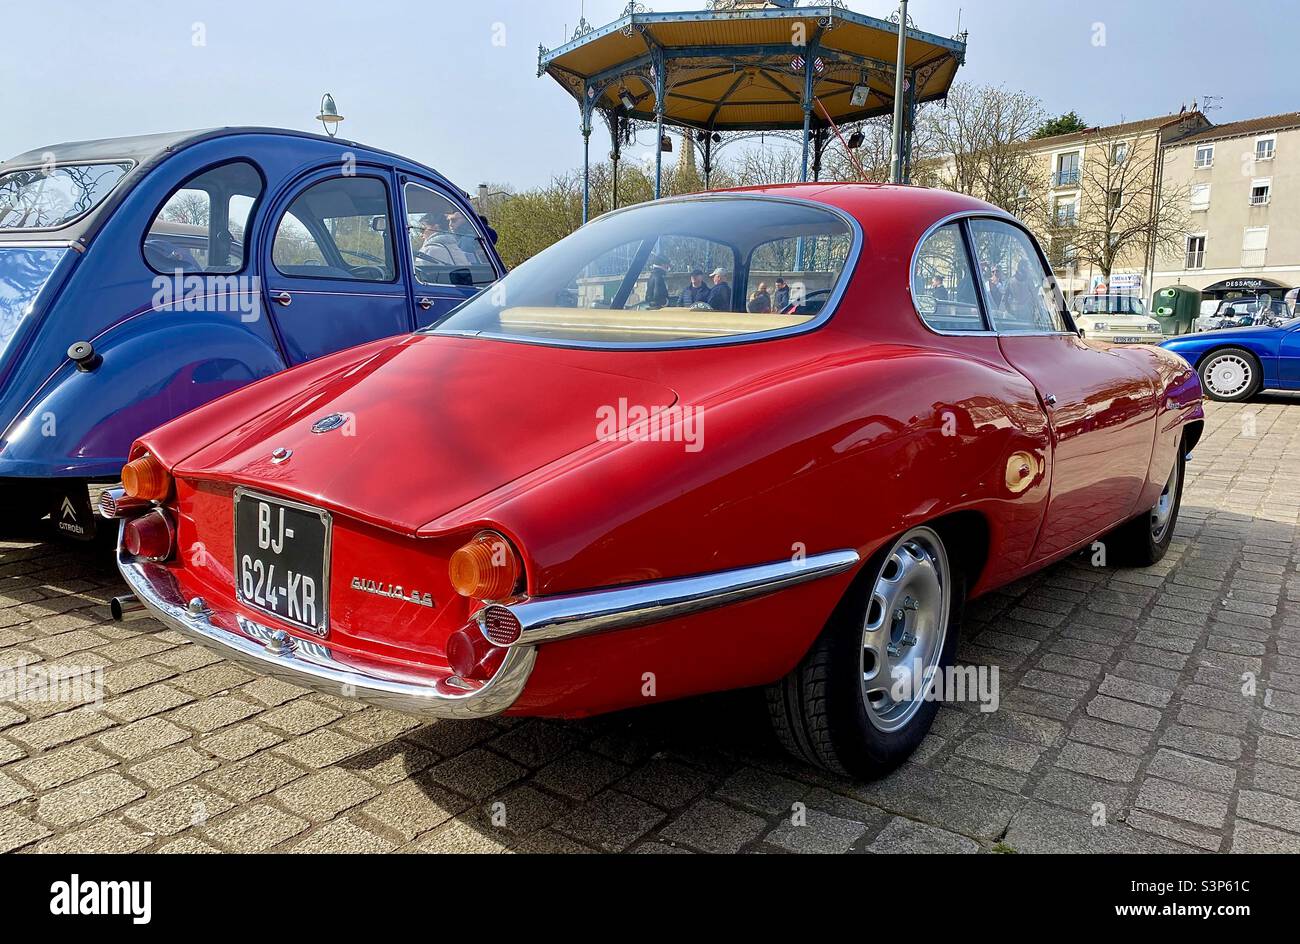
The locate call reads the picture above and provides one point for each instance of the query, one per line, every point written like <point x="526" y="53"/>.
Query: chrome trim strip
<point x="303" y="662"/>
<point x="547" y="619"/>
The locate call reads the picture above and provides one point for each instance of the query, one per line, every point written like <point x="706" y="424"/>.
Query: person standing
<point x="656" y="292"/>
<point x="697" y="293"/>
<point x="720" y="296"/>
<point x="760" y="303"/>
<point x="781" y="297"/>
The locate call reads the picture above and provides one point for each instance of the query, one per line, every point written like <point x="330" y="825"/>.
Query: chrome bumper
<point x="545" y="619"/>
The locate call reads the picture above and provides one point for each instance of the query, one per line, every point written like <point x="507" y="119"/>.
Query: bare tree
<point x="1121" y="216"/>
<point x="976" y="146"/>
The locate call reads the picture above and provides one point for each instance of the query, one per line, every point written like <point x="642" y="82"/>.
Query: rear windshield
<point x="50" y="197"/>
<point x="684" y="270"/>
<point x="1109" y="305"/>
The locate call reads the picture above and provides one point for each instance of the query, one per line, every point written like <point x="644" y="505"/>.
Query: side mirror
<point x="379" y="224"/>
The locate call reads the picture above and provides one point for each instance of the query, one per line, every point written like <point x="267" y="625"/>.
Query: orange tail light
<point x="146" y="479"/>
<point x="486" y="568"/>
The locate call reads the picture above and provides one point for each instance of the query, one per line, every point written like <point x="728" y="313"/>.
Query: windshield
<point x="682" y="270"/>
<point x="23" y="273"/>
<point x="50" y="197"/>
<point x="1109" y="305"/>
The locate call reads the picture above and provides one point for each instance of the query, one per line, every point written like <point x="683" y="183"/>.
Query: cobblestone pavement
<point x="1124" y="725"/>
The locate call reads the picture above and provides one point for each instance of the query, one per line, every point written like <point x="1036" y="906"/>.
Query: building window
<point x="1067" y="170"/>
<point x="1205" y="155"/>
<point x="1254" y="246"/>
<point x="1115" y="199"/>
<point x="1200" y="197"/>
<point x="1066" y="213"/>
<point x="1260" y="192"/>
<point x="1195" y="252"/>
<point x="1120" y="153"/>
<point x="1264" y="148"/>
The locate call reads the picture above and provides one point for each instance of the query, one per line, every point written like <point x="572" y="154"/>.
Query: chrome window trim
<point x="962" y="217"/>
<point x="828" y="310"/>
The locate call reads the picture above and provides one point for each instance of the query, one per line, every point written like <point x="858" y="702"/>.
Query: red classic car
<point x="612" y="478"/>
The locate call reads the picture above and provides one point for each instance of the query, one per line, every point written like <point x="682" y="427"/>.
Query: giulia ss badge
<point x="392" y="591"/>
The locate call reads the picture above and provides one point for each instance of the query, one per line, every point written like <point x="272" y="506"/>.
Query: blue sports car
<point x="1236" y="363"/>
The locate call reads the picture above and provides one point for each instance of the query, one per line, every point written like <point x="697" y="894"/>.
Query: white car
<point x="1122" y="319"/>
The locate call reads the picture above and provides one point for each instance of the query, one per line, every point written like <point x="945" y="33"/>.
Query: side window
<point x="942" y="286"/>
<point x="796" y="275"/>
<point x="1019" y="291"/>
<point x="337" y="229"/>
<point x="445" y="243"/>
<point x="203" y="226"/>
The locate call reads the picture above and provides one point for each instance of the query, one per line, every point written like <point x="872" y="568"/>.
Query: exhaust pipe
<point x="127" y="608"/>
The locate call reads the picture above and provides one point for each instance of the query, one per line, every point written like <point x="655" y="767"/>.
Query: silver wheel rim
<point x="1229" y="375"/>
<point x="905" y="629"/>
<point x="1163" y="512"/>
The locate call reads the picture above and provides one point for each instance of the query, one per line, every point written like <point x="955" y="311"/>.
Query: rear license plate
<point x="282" y="559"/>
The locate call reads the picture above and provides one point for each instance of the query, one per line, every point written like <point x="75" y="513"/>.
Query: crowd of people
<point x="712" y="291"/>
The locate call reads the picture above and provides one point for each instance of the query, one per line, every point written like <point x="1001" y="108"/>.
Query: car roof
<point x="145" y="152"/>
<point x="878" y="200"/>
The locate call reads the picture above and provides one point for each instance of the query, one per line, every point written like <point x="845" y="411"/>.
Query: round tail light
<point x="471" y="656"/>
<point x="486" y="568"/>
<point x="146" y="479"/>
<point x="500" y="625"/>
<point x="151" y="537"/>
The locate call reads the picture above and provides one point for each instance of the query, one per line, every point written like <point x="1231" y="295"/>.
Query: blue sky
<point x="426" y="79"/>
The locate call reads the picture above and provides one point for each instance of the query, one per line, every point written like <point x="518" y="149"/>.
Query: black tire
<point x="1241" y="360"/>
<point x="820" y="712"/>
<point x="1138" y="543"/>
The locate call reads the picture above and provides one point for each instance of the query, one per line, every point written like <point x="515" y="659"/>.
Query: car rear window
<point x="54" y="196"/>
<point x="694" y="270"/>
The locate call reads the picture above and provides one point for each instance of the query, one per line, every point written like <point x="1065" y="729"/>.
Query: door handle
<point x="425" y="303"/>
<point x="283" y="298"/>
<point x="1050" y="399"/>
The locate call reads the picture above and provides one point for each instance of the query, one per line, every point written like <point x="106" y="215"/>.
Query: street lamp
<point x="329" y="115"/>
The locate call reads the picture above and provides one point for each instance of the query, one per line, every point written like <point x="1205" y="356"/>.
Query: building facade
<point x="1100" y="192"/>
<point x="1243" y="182"/>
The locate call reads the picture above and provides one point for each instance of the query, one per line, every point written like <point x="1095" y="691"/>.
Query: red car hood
<point x="431" y="423"/>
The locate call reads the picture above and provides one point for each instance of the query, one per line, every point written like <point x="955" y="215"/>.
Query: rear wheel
<point x="857" y="704"/>
<point x="1145" y="540"/>
<point x="1231" y="375"/>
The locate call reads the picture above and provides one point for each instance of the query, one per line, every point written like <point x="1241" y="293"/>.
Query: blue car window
<point x="337" y="229"/>
<point x="202" y="226"/>
<point x="447" y="247"/>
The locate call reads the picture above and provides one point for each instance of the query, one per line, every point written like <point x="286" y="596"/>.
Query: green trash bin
<point x="1177" y="308"/>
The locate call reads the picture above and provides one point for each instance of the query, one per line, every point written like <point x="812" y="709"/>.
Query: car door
<point x="1101" y="406"/>
<point x="450" y="255"/>
<point x="1288" y="356"/>
<point x="332" y="272"/>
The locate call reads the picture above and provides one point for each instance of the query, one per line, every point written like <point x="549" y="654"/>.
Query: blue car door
<point x="451" y="256"/>
<point x="332" y="271"/>
<point x="1288" y="357"/>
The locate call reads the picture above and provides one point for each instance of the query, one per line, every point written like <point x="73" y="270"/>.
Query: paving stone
<point x="86" y="799"/>
<point x="209" y="714"/>
<point x="146" y="702"/>
<point x="666" y="783"/>
<point x="239" y="741"/>
<point x="376" y="725"/>
<point x="254" y="777"/>
<point x="1196" y="741"/>
<point x="817" y="832"/>
<point x="299" y="717"/>
<point x="188" y="845"/>
<point x="1269" y="809"/>
<point x="342" y="836"/>
<point x="1077" y="792"/>
<point x="1130" y="690"/>
<point x="710" y="826"/>
<point x="1179" y="802"/>
<point x="61" y="729"/>
<point x="1124" y="712"/>
<point x="101" y="838"/>
<point x="17" y="831"/>
<point x="579" y="774"/>
<point x="932" y="796"/>
<point x="47" y="771"/>
<point x="322" y="796"/>
<point x="907" y="836"/>
<point x="1097" y="762"/>
<point x="172" y="768"/>
<point x="1003" y="778"/>
<point x="1246" y="837"/>
<point x="414" y="806"/>
<point x="477" y="773"/>
<point x="255" y="829"/>
<point x="1036" y="828"/>
<point x="1116" y="737"/>
<point x="141" y="738"/>
<point x="179" y="809"/>
<point x="320" y="748"/>
<point x="764" y="792"/>
<point x="1192" y="771"/>
<point x="992" y="749"/>
<point x="390" y="763"/>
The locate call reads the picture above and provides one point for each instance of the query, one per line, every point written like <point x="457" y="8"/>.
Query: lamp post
<point x="329" y="116"/>
<point x="896" y="158"/>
